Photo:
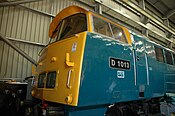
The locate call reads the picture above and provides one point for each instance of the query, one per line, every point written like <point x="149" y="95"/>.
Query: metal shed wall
<point x="26" y="25"/>
<point x="29" y="31"/>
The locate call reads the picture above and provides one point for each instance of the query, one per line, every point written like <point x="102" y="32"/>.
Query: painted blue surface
<point x="156" y="72"/>
<point x="99" y="83"/>
<point x="102" y="85"/>
<point x="142" y="72"/>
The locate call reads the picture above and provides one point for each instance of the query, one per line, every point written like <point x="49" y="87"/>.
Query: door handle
<point x="68" y="62"/>
<point x="69" y="78"/>
<point x="138" y="58"/>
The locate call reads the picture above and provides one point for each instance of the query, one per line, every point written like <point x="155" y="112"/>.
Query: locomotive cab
<point x="60" y="63"/>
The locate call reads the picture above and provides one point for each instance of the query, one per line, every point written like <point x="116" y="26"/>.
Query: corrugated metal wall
<point x="29" y="30"/>
<point x="24" y="25"/>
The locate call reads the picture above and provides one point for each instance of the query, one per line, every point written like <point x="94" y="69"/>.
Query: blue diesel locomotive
<point x="95" y="67"/>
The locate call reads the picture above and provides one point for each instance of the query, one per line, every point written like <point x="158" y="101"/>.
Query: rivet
<point x="53" y="59"/>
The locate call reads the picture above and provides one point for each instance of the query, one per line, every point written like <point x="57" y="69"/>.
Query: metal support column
<point x="98" y="8"/>
<point x="143" y="18"/>
<point x="168" y="34"/>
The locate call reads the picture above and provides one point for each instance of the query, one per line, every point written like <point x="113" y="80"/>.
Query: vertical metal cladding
<point x="25" y="25"/>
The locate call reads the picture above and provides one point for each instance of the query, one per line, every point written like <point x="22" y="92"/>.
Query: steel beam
<point x="18" y="50"/>
<point x="170" y="13"/>
<point x="145" y="32"/>
<point x="98" y="8"/>
<point x="166" y="22"/>
<point x="169" y="44"/>
<point x="104" y="3"/>
<point x="144" y="19"/>
<point x="142" y="4"/>
<point x="36" y="11"/>
<point x="89" y="3"/>
<point x="26" y="42"/>
<point x="13" y="3"/>
<point x="151" y="17"/>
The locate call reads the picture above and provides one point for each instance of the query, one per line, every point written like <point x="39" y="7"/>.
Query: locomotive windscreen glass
<point x="51" y="78"/>
<point x="69" y="26"/>
<point x="57" y="30"/>
<point x="72" y="25"/>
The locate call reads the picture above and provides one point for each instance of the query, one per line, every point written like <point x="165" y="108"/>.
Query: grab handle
<point x="68" y="62"/>
<point x="68" y="78"/>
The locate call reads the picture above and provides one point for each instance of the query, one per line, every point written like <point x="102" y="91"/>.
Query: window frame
<point x="122" y="33"/>
<point x="47" y="81"/>
<point x="58" y="34"/>
<point x="167" y="62"/>
<point x="173" y="56"/>
<point x="109" y="22"/>
<point x="162" y="53"/>
<point x="61" y="28"/>
<point x="43" y="80"/>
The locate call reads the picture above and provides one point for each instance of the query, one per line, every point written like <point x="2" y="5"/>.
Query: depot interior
<point x="25" y="24"/>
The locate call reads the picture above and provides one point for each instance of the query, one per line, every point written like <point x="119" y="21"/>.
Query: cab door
<point x="142" y="72"/>
<point x="65" y="57"/>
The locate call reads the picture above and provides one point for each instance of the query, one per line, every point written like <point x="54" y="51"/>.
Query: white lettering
<point x="113" y="62"/>
<point x="122" y="64"/>
<point x="118" y="63"/>
<point x="127" y="65"/>
<point x="120" y="74"/>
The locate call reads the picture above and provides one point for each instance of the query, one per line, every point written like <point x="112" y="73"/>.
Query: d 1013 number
<point x="119" y="63"/>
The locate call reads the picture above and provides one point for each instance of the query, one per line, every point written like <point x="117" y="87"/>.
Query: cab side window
<point x="159" y="54"/>
<point x="118" y="33"/>
<point x="102" y="27"/>
<point x="168" y="56"/>
<point x="105" y="28"/>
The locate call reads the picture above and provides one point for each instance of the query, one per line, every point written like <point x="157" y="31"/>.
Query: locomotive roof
<point x="71" y="10"/>
<point x="63" y="14"/>
<point x="148" y="40"/>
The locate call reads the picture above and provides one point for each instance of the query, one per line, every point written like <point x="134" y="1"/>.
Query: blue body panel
<point x="100" y="84"/>
<point x="142" y="72"/>
<point x="156" y="71"/>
